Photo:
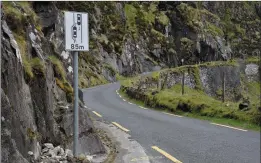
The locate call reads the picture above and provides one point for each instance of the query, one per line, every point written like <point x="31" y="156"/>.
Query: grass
<point x="163" y="19"/>
<point x="150" y="59"/>
<point x="253" y="92"/>
<point x="130" y="81"/>
<point x="64" y="85"/>
<point x="131" y="12"/>
<point x="60" y="77"/>
<point x="103" y="39"/>
<point x="93" y="80"/>
<point x="31" y="66"/>
<point x="110" y="68"/>
<point x="13" y="14"/>
<point x="230" y="122"/>
<point x="157" y="34"/>
<point x="120" y="77"/>
<point x="25" y="60"/>
<point x="165" y="98"/>
<point x="155" y="75"/>
<point x="37" y="65"/>
<point x="194" y="16"/>
<point x="214" y="30"/>
<point x="58" y="67"/>
<point x="253" y="59"/>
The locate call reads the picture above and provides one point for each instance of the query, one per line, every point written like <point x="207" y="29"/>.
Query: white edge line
<point x="173" y="114"/>
<point x="143" y="107"/>
<point x="229" y="127"/>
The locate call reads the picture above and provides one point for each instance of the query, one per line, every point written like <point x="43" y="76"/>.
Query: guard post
<point x="76" y="39"/>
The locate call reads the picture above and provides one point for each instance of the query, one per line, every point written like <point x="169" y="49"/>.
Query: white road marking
<point x="123" y="99"/>
<point x="229" y="127"/>
<point x="143" y="107"/>
<point x="173" y="114"/>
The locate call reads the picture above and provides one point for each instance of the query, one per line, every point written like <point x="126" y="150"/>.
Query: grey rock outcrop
<point x="35" y="110"/>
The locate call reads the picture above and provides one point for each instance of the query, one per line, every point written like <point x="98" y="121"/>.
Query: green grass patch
<point x="214" y="30"/>
<point x="131" y="12"/>
<point x="193" y="17"/>
<point x="31" y="66"/>
<point x="58" y="67"/>
<point x="120" y="77"/>
<point x="253" y="93"/>
<point x="151" y="60"/>
<point x="103" y="39"/>
<point x="196" y="104"/>
<point x="25" y="59"/>
<point x="66" y="87"/>
<point x="219" y="63"/>
<point x="163" y="19"/>
<point x="155" y="75"/>
<point x="255" y="60"/>
<point x="13" y="14"/>
<point x="130" y="81"/>
<point x="37" y="65"/>
<point x="229" y="122"/>
<point x="110" y="68"/>
<point x="157" y="34"/>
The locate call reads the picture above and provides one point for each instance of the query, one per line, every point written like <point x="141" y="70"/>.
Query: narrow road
<point x="185" y="139"/>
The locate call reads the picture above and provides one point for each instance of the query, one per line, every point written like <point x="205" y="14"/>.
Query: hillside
<point x="126" y="39"/>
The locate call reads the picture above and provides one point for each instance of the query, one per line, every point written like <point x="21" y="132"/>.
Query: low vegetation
<point x="21" y="15"/>
<point x="195" y="102"/>
<point x="58" y="67"/>
<point x="199" y="105"/>
<point x="60" y="77"/>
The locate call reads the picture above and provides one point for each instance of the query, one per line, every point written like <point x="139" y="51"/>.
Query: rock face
<point x="135" y="37"/>
<point x="36" y="92"/>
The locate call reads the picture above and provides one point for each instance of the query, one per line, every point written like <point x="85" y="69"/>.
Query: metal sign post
<point x="76" y="39"/>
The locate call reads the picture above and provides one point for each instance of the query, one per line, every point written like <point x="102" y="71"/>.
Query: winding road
<point x="168" y="138"/>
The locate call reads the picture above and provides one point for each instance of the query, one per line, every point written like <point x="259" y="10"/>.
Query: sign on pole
<point x="76" y="31"/>
<point x="76" y="39"/>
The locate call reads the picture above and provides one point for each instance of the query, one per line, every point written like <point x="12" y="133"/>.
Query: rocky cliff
<point x="36" y="92"/>
<point x="133" y="37"/>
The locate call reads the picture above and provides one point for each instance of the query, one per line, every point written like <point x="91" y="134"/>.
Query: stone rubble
<point x="51" y="154"/>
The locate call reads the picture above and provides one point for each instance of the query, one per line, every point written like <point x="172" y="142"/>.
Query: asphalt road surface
<point x="185" y="139"/>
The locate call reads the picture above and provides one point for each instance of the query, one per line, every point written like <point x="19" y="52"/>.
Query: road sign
<point x="76" y="39"/>
<point x="76" y="31"/>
